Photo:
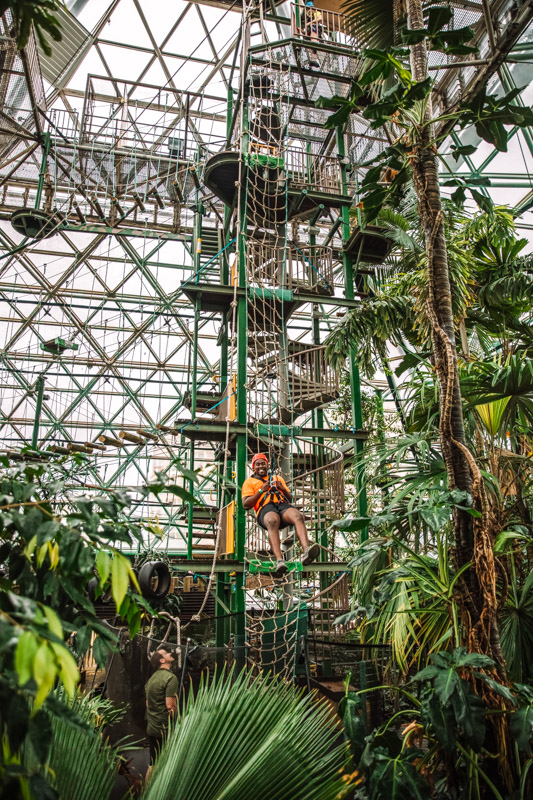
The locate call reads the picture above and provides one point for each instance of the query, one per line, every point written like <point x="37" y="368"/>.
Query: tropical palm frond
<point x="516" y="631"/>
<point x="462" y="280"/>
<point x="408" y="244"/>
<point x="391" y="218"/>
<point x="486" y="381"/>
<point x="80" y="766"/>
<point x="411" y="608"/>
<point x="249" y="738"/>
<point x="95" y="710"/>
<point x="492" y="414"/>
<point x="371" y="22"/>
<point x="485" y="229"/>
<point x="499" y="256"/>
<point x="397" y="450"/>
<point x="399" y="228"/>
<point x="377" y="23"/>
<point x="412" y="280"/>
<point x="510" y="295"/>
<point x="368" y="328"/>
<point x="370" y="559"/>
<point x="523" y="263"/>
<point x="493" y="329"/>
<point x="83" y="766"/>
<point x="396" y="620"/>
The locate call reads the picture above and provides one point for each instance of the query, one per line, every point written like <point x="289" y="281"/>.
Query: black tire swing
<point x="154" y="579"/>
<point x="92" y="588"/>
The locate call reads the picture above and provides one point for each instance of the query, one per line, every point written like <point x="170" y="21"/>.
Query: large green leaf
<point x="469" y="713"/>
<point x="456" y="694"/>
<point x="249" y="738"/>
<point x="440" y="718"/>
<point x="490" y="114"/>
<point x="446" y="683"/>
<point x="398" y="778"/>
<point x="349" y="524"/>
<point x="438" y="17"/>
<point x="80" y="766"/>
<point x="349" y="710"/>
<point x="522" y="728"/>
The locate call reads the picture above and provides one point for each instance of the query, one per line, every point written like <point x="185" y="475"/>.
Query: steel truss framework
<point x="103" y="334"/>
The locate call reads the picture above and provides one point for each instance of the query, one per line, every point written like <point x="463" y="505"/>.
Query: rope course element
<point x="287" y="379"/>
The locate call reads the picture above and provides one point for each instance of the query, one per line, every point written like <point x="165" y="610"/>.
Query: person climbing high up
<point x="312" y="28"/>
<point x="272" y="501"/>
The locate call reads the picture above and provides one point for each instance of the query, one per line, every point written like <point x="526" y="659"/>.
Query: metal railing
<point x="317" y="24"/>
<point x="320" y="491"/>
<point x="313" y="171"/>
<point x="305" y="170"/>
<point x="306" y="268"/>
<point x="311" y="379"/>
<point x="286" y="388"/>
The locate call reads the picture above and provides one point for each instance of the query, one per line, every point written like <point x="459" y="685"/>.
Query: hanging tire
<point x="154" y="579"/>
<point x="92" y="587"/>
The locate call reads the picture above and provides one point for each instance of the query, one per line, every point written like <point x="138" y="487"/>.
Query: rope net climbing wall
<point x="287" y="375"/>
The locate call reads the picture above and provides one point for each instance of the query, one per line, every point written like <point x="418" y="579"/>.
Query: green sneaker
<point x="310" y="553"/>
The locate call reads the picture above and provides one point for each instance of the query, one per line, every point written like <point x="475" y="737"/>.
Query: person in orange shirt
<point x="272" y="503"/>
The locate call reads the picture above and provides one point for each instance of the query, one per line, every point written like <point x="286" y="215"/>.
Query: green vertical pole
<point x="355" y="381"/>
<point x="193" y="415"/>
<point x="241" y="406"/>
<point x="197" y="235"/>
<point x="197" y="225"/>
<point x="318" y="421"/>
<point x="39" y="386"/>
<point x="222" y="623"/>
<point x="380" y="416"/>
<point x="297" y="14"/>
<point x="222" y="620"/>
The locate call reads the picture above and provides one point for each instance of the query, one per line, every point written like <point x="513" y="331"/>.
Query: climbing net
<point x="283" y="613"/>
<point x="288" y="381"/>
<point x="288" y="378"/>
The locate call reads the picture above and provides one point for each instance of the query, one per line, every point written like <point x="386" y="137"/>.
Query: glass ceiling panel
<point x="123" y="130"/>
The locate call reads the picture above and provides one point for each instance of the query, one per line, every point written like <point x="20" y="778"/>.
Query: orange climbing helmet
<point x="257" y="457"/>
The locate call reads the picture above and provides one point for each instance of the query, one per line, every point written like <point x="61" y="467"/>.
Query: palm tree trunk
<point x="473" y="539"/>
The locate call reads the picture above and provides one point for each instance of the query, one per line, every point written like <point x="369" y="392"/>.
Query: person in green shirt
<point x="161" y="701"/>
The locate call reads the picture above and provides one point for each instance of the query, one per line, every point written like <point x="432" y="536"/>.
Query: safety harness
<point x="273" y="495"/>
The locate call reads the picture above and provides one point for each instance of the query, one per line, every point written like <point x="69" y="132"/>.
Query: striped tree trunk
<point x="473" y="537"/>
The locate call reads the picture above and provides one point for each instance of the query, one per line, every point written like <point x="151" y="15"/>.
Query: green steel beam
<point x="193" y="415"/>
<point x="497" y="180"/>
<point x="225" y="294"/>
<point x="355" y="380"/>
<point x="213" y="429"/>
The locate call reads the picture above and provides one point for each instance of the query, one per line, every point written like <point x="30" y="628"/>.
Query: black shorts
<point x="279" y="508"/>
<point x="155" y="747"/>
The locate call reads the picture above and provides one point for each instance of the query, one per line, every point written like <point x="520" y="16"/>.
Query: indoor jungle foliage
<point x="52" y="543"/>
<point x="446" y="575"/>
